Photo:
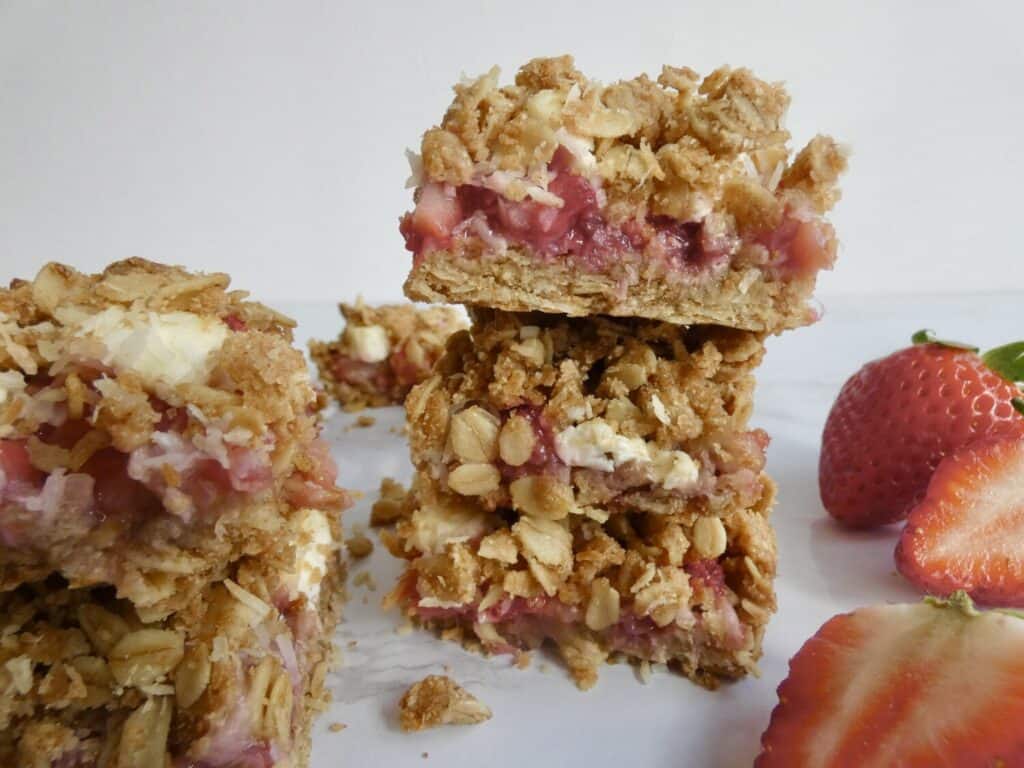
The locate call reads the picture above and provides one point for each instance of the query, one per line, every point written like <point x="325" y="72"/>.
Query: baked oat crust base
<point x="518" y="282"/>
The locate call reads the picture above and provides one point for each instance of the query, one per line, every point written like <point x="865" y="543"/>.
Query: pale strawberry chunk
<point x="437" y="211"/>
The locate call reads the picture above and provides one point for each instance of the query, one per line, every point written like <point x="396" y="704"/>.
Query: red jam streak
<point x="578" y="231"/>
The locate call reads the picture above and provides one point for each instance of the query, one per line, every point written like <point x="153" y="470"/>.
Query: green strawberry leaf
<point x="926" y="336"/>
<point x="1018" y="403"/>
<point x="1007" y="361"/>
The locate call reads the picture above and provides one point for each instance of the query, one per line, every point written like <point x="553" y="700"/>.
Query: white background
<point x="266" y="139"/>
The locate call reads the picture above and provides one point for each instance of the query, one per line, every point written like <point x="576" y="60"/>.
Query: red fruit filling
<point x="799" y="247"/>
<point x="538" y="617"/>
<point x="543" y="460"/>
<point x="362" y="375"/>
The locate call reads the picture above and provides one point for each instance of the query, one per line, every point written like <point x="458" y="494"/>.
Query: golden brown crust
<point x="415" y="339"/>
<point x="515" y="282"/>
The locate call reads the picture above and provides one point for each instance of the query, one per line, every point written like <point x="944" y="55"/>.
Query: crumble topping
<point x="554" y="416"/>
<point x="438" y="700"/>
<point x="674" y="146"/>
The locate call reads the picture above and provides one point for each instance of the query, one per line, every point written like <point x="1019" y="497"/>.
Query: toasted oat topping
<point x="148" y="331"/>
<point x="553" y="416"/>
<point x="438" y="700"/>
<point x="679" y="146"/>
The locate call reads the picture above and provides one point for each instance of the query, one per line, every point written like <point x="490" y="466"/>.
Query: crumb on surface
<point x="438" y="700"/>
<point x="365" y="579"/>
<point x="359" y="546"/>
<point x="391" y="506"/>
<point x="522" y="660"/>
<point x="337" y="727"/>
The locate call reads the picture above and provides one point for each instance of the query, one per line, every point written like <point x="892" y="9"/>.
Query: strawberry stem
<point x="1007" y="361"/>
<point x="959" y="600"/>
<point x="926" y="336"/>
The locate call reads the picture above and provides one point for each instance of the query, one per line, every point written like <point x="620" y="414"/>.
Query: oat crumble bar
<point x="233" y="679"/>
<point x="594" y="483"/>
<point x="155" y="426"/>
<point x="676" y="199"/>
<point x="383" y="352"/>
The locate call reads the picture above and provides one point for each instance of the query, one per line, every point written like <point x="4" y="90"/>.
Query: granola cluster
<point x="383" y="352"/>
<point x="679" y="146"/>
<point x="85" y="680"/>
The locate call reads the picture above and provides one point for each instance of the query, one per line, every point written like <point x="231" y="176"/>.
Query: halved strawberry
<point x="903" y="686"/>
<point x="968" y="532"/>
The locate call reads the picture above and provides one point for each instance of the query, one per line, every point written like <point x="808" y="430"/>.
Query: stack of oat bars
<point x="169" y="577"/>
<point x="585" y="470"/>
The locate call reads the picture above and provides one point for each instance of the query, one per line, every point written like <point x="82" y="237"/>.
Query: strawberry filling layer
<point x="799" y="247"/>
<point x="543" y="460"/>
<point x="170" y="475"/>
<point x="397" y="372"/>
<point x="526" y="621"/>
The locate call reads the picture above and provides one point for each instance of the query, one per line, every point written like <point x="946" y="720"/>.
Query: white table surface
<point x="540" y="718"/>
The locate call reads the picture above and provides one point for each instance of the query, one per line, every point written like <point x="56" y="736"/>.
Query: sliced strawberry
<point x="903" y="686"/>
<point x="968" y="532"/>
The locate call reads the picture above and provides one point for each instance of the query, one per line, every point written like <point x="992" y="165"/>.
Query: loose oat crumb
<point x="359" y="546"/>
<point x="391" y="506"/>
<point x="337" y="727"/>
<point x="352" y="643"/>
<point x="425" y="755"/>
<point x="365" y="579"/>
<point x="643" y="671"/>
<point x="404" y="628"/>
<point x="438" y="700"/>
<point x="522" y="660"/>
<point x="361" y="422"/>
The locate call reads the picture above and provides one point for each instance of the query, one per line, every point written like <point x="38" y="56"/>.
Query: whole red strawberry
<point x="897" y="417"/>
